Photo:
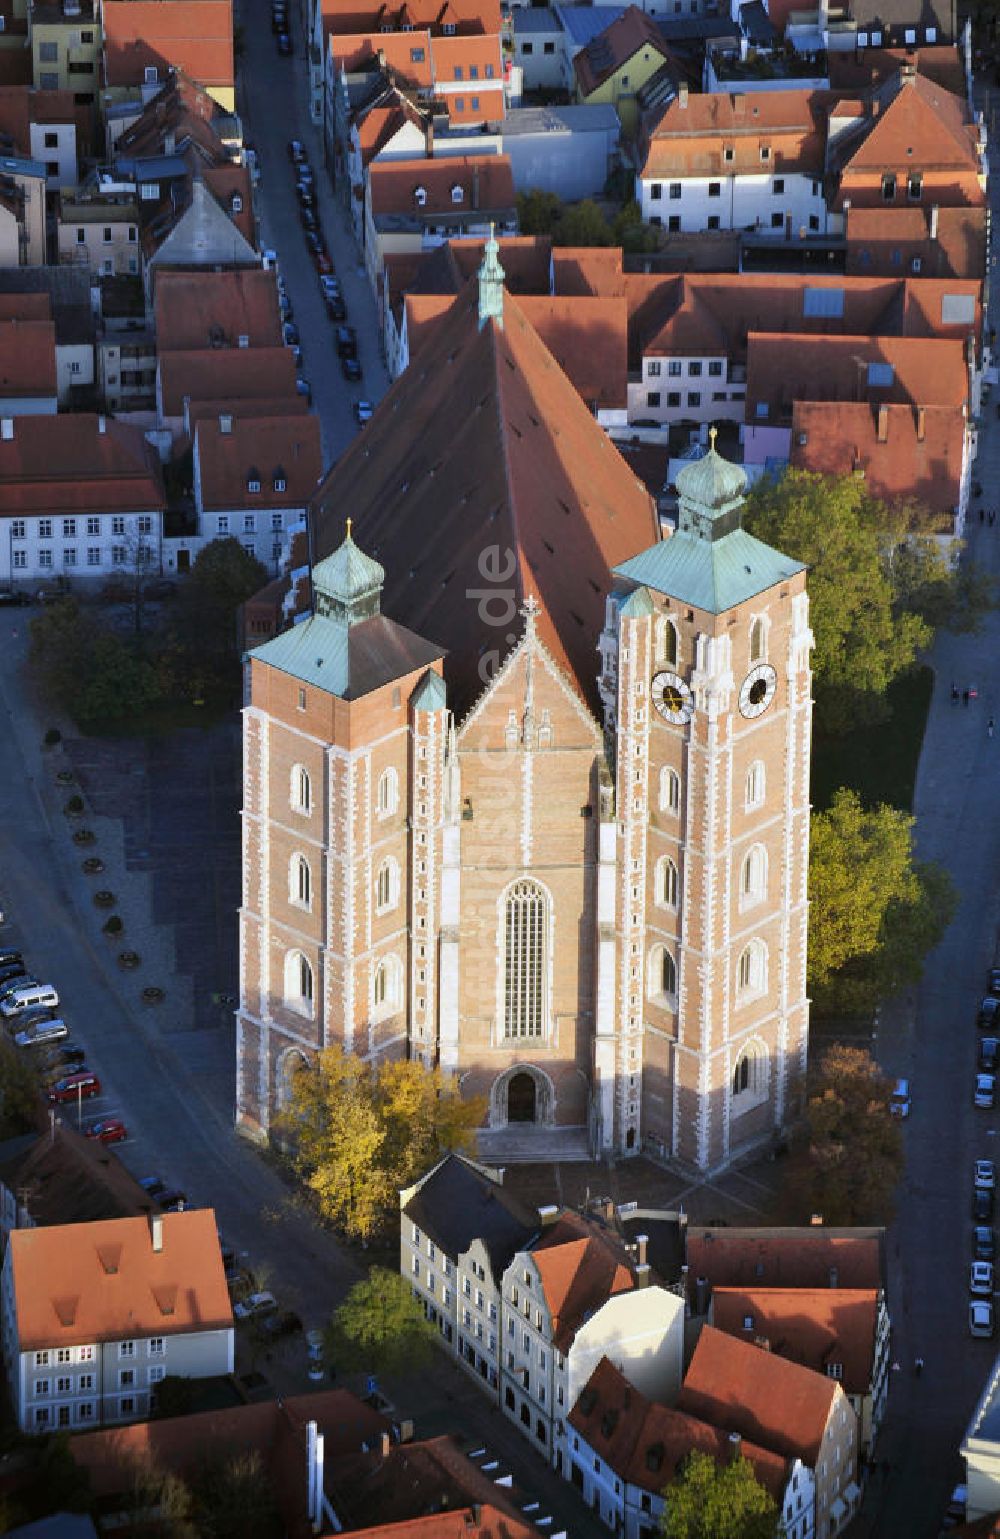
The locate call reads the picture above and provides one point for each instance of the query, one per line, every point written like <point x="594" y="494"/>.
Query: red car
<point x="74" y="1085"/>
<point x="322" y="262"/>
<point x="110" y="1130"/>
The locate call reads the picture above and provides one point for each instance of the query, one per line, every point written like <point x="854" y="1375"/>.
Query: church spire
<point x="491" y="276"/>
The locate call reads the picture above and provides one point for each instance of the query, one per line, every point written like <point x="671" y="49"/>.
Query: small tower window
<point x="387" y="794"/>
<point x="667" y="883"/>
<point x="670" y="791"/>
<point x="301" y="790"/>
<point x="758" y="639"/>
<point x="756" y="785"/>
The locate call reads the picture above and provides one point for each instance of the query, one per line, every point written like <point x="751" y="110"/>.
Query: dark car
<point x="989" y="1053"/>
<point x="159" y="588"/>
<point x="284" y="43"/>
<point x="279" y="19"/>
<point x="303" y="388"/>
<point x="988" y="1014"/>
<point x="275" y="1326"/>
<point x="336" y="309"/>
<point x="314" y="240"/>
<point x="9" y="955"/>
<point x="984" y="1243"/>
<point x="982" y="1205"/>
<point x="62" y="1054"/>
<point x="297" y="152"/>
<point x="321" y="260"/>
<point x="16" y="983"/>
<point x="993" y="981"/>
<point x="14" y="973"/>
<point x="306" y="193"/>
<point x="347" y="342"/>
<point x="8" y="596"/>
<point x="308" y="217"/>
<point x="351" y="369"/>
<point x="290" y="334"/>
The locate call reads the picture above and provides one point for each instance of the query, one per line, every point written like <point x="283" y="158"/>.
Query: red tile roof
<point x="810" y="1257"/>
<point x="813" y="1327"/>
<point x="294" y="405"/>
<point x="199" y="309"/>
<point x="484" y="1521"/>
<point x="645" y="1443"/>
<point x="195" y="36"/>
<point x="905" y="454"/>
<point x="629" y="34"/>
<point x="279" y="449"/>
<point x="486" y="438"/>
<point x="486" y="182"/>
<point x="27" y="358"/>
<point x="71" y="464"/>
<point x="412" y="1481"/>
<point x="407" y="54"/>
<point x="102" y="1281"/>
<point x="890" y="240"/>
<point x="922" y="128"/>
<point x="860" y="71"/>
<point x="213" y="374"/>
<point x="689" y="140"/>
<point x="787" y="368"/>
<point x="20" y="106"/>
<point x="466" y="16"/>
<point x="588" y="338"/>
<point x="225" y="182"/>
<point x="580" y="1266"/>
<point x="595" y="271"/>
<point x="744" y="1389"/>
<point x="182" y="108"/>
<point x="376" y="128"/>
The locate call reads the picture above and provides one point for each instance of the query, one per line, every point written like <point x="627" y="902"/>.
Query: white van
<point x="899" y="1101"/>
<point x="29" y="999"/>
<point x="41" y="1034"/>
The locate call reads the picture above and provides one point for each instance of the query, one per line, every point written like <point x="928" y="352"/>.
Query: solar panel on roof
<point x="828" y="303"/>
<point x="881" y="374"/>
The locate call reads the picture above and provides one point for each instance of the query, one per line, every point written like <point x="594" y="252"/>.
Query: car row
<point x="28" y="1009"/>
<point x="982" y="1314"/>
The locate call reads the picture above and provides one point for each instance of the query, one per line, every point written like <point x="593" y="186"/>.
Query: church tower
<point x="702" y="1020"/>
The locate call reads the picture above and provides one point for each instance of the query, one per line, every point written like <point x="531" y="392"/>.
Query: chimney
<point x="225" y="422"/>
<point x="102" y="424"/>
<point x="682" y="96"/>
<point x="702" y="1294"/>
<point x="921" y="429"/>
<point x="380" y="56"/>
<point x="735" y="1446"/>
<point x="834" y="1277"/>
<point x="641" y="1241"/>
<point x="642" y="1275"/>
<point x="475" y="186"/>
<point x="908" y="72"/>
<point x="548" y="1214"/>
<point x="883" y="424"/>
<point x="429" y="137"/>
<point x="6" y="427"/>
<point x="476" y="1513"/>
<point x="156" y="1231"/>
<point x="386" y="1445"/>
<point x="935" y="215"/>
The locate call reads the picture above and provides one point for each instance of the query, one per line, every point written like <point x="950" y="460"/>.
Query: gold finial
<point x="348" y="534"/>
<point x="713" y="434"/>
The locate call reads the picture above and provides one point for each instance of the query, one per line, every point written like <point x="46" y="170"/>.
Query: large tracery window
<point x="525" y="943"/>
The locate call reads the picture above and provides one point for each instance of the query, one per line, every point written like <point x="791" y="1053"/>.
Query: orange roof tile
<point x="25" y="307"/>
<point x="77" y="1283"/>
<point x="645" y="1443"/>
<point x="197" y="309"/>
<point x="466" y="16"/>
<point x="486" y="183"/>
<point x="251" y="406"/>
<point x="78" y="463"/>
<point x="520" y="461"/>
<point x="891" y="240"/>
<point x="225" y="183"/>
<point x="407" y="54"/>
<point x="214" y="374"/>
<point x="27" y="358"/>
<point x="744" y="1389"/>
<point x="377" y="127"/>
<point x="783" y="369"/>
<point x="588" y="338"/>
<point x="279" y="449"/>
<point x="615" y="46"/>
<point x="923" y="128"/>
<point x="811" y="1257"/>
<point x="195" y="36"/>
<point x="689" y="140"/>
<point x="904" y="454"/>
<point x="813" y="1327"/>
<point x="580" y="1267"/>
<point x="483" y="1521"/>
<point x="868" y="67"/>
<point x="411" y="1481"/>
<point x="597" y="271"/>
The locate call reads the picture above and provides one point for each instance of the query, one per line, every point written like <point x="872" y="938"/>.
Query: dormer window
<point x="279" y="480"/>
<point x="449" y="29"/>
<point x="765" y="152"/>
<point x="457" y="194"/>
<point x="420" y="196"/>
<point x="237" y="203"/>
<point x="729" y="153"/>
<point x="151" y="74"/>
<point x="253" y="479"/>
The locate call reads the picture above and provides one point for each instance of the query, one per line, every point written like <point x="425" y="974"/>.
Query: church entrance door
<point x="521" y="1099"/>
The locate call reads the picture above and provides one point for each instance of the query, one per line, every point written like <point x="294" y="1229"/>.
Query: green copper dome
<point x="347" y="583"/>
<point x="711" y="482"/>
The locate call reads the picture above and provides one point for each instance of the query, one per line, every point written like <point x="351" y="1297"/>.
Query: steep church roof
<point x="481" y="479"/>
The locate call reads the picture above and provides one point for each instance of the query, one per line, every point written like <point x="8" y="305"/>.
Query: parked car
<point x="153" y="1185"/>
<point x="41" y="1033"/>
<point x="982" y="1206"/>
<point x="159" y="588"/>
<point x="363" y="412"/>
<point x="171" y="1200"/>
<point x="297" y="152"/>
<point x="285" y="44"/>
<point x="256" y="1305"/>
<point x="954" y="1513"/>
<point x="308" y="218"/>
<point x="306" y="193"/>
<point x="290" y="334"/>
<point x="279" y="19"/>
<point x="55" y="1059"/>
<point x="321" y="260"/>
<point x="986" y="1175"/>
<point x="347" y="342"/>
<point x="989" y="1053"/>
<point x="899" y="1101"/>
<point x="305" y="171"/>
<point x="276" y="1326"/>
<point x="981" y="1321"/>
<point x="303" y="387"/>
<point x="985" y="1091"/>
<point x="988" y="1015"/>
<point x="107" y="1130"/>
<point x="336" y="309"/>
<point x="13" y="597"/>
<point x="9" y="955"/>
<point x="13" y="984"/>
<point x="314" y="242"/>
<point x="330" y="283"/>
<point x="12" y="970"/>
<point x="83" y="1083"/>
<point x="981" y="1278"/>
<point x="984" y="1243"/>
<point x="993" y="981"/>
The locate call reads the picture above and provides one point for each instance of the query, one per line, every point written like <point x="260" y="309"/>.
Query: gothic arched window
<point x="525" y="939"/>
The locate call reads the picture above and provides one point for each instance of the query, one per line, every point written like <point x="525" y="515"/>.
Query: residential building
<point x="148" y="1298"/>
<point x="893" y="24"/>
<point x="934" y="243"/>
<point x="586" y="1025"/>
<point x="253" y="479"/>
<point x="415" y="204"/>
<point x="144" y="40"/>
<point x="981" y="1451"/>
<point x="190" y="378"/>
<point x="81" y="496"/>
<point x="98" y="226"/>
<point x="737" y="161"/>
<point x="575" y="1295"/>
<point x="62" y="293"/>
<point x="810" y="1257"/>
<point x="22" y="199"/>
<point x="570" y="151"/>
<point x="789" y="1410"/>
<point x="237" y="309"/>
<point x="842" y="1332"/>
<point x="66" y="49"/>
<point x="43" y="126"/>
<point x="459" y="1230"/>
<point x="539" y="41"/>
<point x="618" y="62"/>
<point x="624" y="1448"/>
<point x="126" y="349"/>
<point x="60" y="1177"/>
<point x="27" y="365"/>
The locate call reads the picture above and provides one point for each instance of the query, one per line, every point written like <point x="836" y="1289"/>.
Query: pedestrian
<point x="993" y="517"/>
<point x="918" y="1366"/>
<point x="954" y="692"/>
<point x="965" y="697"/>
<point x="989" y="727"/>
<point x="982" y="515"/>
<point x="895" y="1368"/>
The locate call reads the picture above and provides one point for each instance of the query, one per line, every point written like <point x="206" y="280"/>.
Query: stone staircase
<point x="525" y="1144"/>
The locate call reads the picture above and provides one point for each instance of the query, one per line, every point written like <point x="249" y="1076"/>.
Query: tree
<point x="718" y="1501"/>
<point x="927" y="578"/>
<point x="88" y="670"/>
<point x="380" y="1327"/>
<point x="583" y="224"/>
<point x="18" y="1092"/>
<point x="233" y="1499"/>
<point x="173" y="1396"/>
<point x="203" y="637"/>
<point x="874" y="912"/>
<point x="863" y="640"/>
<point x="538" y="212"/>
<point x="361" y="1132"/>
<point x="849" y="1149"/>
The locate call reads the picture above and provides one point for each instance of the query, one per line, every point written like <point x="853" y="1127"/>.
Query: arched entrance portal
<point x="522" y="1098"/>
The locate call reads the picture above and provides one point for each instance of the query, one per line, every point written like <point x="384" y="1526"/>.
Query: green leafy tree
<point x="927" y="578"/>
<point x="87" y="669"/>
<point x="718" y="1501"/>
<point x="157" y="1504"/>
<point x="233" y="1499"/>
<point x="380" y="1327"/>
<point x="848" y="1152"/>
<point x="205" y="614"/>
<point x="583" y="224"/>
<point x="538" y="212"/>
<point x="874" y="911"/>
<point x="863" y="640"/>
<point x="18" y="1092"/>
<point x="361" y="1132"/>
<point x="630" y="232"/>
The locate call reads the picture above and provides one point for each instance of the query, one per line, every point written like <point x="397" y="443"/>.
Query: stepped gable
<point x="482" y="448"/>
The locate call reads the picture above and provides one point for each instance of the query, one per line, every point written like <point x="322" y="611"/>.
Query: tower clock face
<point x="672" y="698"/>
<point x="757" y="690"/>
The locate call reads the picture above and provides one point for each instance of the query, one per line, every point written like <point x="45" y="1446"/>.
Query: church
<point x="527" y="794"/>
